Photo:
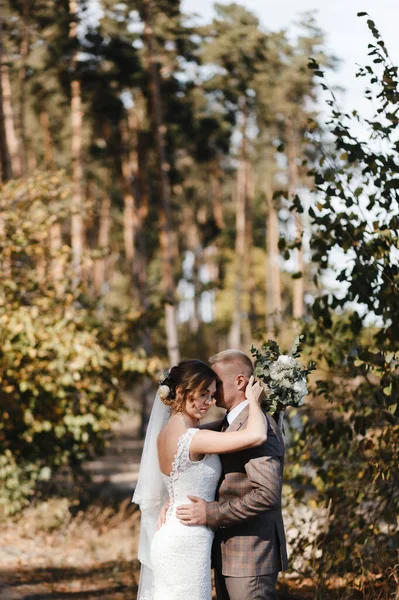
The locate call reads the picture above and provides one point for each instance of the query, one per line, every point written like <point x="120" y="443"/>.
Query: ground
<point x="63" y="550"/>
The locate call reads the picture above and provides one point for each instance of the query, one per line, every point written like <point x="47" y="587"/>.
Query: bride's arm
<point x="212" y="442"/>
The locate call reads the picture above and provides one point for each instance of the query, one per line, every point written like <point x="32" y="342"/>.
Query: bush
<point x="61" y="360"/>
<point x="354" y="448"/>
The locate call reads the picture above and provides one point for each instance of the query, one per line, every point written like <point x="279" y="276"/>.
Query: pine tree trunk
<point x="273" y="282"/>
<point x="100" y="265"/>
<point x="250" y="290"/>
<point x="32" y="160"/>
<point x="56" y="263"/>
<point x="77" y="232"/>
<point x="140" y="265"/>
<point x="166" y="236"/>
<point x="5" y="262"/>
<point x="142" y="157"/>
<point x="298" y="309"/>
<point x="235" y="333"/>
<point x="216" y="195"/>
<point x="240" y="250"/>
<point x="193" y="245"/>
<point x="211" y="256"/>
<point x="6" y="170"/>
<point x="47" y="142"/>
<point x="24" y="50"/>
<point x="129" y="171"/>
<point x="12" y="140"/>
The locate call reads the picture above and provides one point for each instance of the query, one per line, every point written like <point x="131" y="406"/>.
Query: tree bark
<point x="216" y="193"/>
<point x="12" y="140"/>
<point x="100" y="265"/>
<point x="22" y="88"/>
<point x="298" y="308"/>
<point x="250" y="291"/>
<point x="5" y="262"/>
<point x="166" y="239"/>
<point x="140" y="265"/>
<point x="77" y="171"/>
<point x="56" y="264"/>
<point x="47" y="142"/>
<point x="129" y="175"/>
<point x="240" y="245"/>
<point x="193" y="245"/>
<point x="273" y="282"/>
<point x="6" y="170"/>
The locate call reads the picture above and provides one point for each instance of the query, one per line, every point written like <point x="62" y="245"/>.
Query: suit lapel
<point x="239" y="420"/>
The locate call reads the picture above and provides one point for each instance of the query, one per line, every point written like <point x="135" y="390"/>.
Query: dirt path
<point x="51" y="554"/>
<point x="116" y="473"/>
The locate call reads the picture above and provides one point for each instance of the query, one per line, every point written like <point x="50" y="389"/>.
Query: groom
<point x="249" y="548"/>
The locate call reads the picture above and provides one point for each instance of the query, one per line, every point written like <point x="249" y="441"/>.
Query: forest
<point x="170" y="189"/>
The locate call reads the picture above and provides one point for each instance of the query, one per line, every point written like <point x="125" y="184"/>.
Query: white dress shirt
<point x="234" y="412"/>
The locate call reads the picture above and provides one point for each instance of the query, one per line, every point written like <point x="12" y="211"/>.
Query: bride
<point x="180" y="460"/>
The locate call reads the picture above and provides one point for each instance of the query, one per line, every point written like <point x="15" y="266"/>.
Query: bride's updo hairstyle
<point x="183" y="382"/>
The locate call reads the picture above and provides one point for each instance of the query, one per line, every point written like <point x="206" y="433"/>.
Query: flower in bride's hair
<point x="163" y="391"/>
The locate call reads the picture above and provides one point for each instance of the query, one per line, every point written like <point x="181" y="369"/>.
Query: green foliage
<point x="62" y="361"/>
<point x="354" y="449"/>
<point x="17" y="483"/>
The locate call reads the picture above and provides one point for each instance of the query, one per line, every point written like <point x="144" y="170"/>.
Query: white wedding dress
<point x="181" y="554"/>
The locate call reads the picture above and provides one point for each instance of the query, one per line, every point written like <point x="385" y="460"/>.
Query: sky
<point x="347" y="35"/>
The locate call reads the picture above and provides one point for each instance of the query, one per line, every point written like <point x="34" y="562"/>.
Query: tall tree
<point x="166" y="240"/>
<point x="268" y="172"/>
<point x="24" y="51"/>
<point x="289" y="104"/>
<point x="6" y="170"/>
<point x="9" y="118"/>
<point x="103" y="242"/>
<point x="77" y="232"/>
<point x="236" y="45"/>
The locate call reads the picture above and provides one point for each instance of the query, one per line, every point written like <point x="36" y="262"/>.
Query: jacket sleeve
<point x="265" y="476"/>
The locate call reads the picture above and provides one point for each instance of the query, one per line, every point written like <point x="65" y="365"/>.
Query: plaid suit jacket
<point x="246" y="516"/>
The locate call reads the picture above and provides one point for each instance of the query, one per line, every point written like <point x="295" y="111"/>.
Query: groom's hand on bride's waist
<point x="192" y="514"/>
<point x="162" y="515"/>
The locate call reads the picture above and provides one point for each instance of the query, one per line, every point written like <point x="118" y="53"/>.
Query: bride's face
<point x="199" y="404"/>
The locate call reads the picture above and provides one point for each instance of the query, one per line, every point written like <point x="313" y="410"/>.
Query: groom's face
<point x="228" y="390"/>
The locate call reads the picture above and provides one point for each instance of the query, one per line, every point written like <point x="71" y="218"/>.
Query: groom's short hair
<point x="234" y="358"/>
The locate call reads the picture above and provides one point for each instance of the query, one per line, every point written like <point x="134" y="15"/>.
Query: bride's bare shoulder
<point x="172" y="431"/>
<point x="168" y="441"/>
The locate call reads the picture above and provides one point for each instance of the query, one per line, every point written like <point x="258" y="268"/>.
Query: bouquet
<point x="283" y="376"/>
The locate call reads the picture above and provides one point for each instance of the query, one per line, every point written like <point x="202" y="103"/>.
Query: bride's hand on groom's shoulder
<point x="192" y="514"/>
<point x="254" y="390"/>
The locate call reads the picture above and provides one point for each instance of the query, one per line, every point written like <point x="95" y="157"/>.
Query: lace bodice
<point x="196" y="478"/>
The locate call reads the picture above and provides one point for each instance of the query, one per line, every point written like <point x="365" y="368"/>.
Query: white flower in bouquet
<point x="301" y="388"/>
<point x="285" y="362"/>
<point x="284" y="383"/>
<point x="282" y="374"/>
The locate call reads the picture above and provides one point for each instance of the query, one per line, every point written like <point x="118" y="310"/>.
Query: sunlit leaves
<point x="62" y="362"/>
<point x="355" y="333"/>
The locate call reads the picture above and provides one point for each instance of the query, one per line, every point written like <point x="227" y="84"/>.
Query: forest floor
<point x="61" y="550"/>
